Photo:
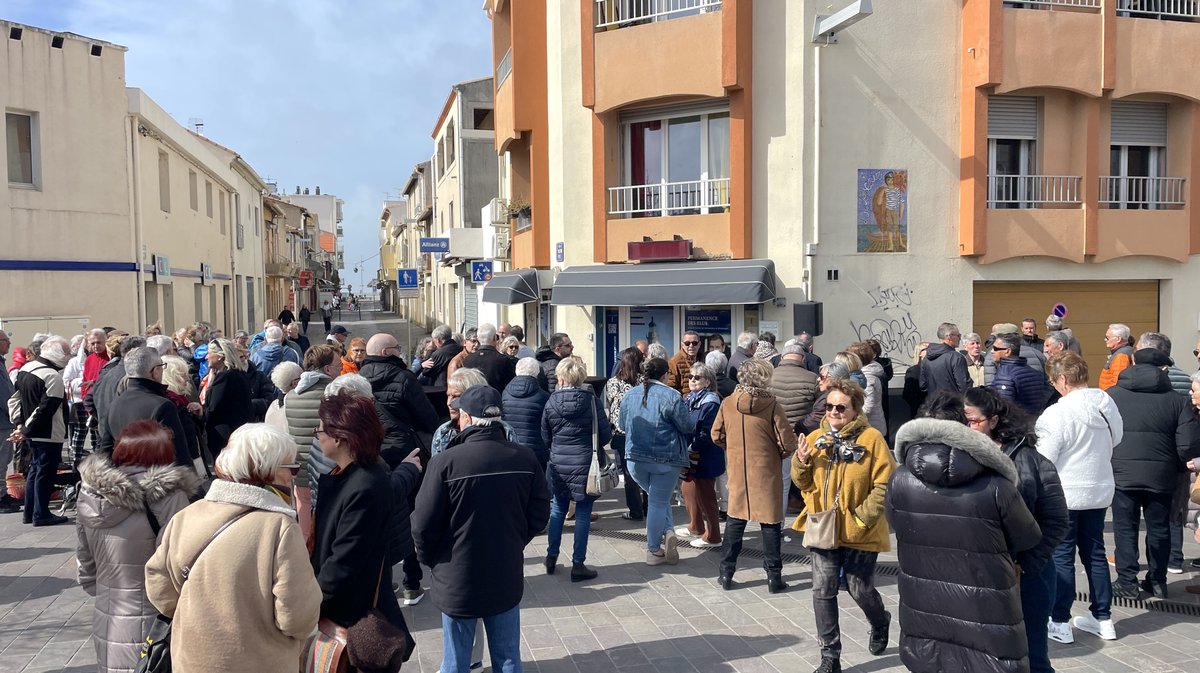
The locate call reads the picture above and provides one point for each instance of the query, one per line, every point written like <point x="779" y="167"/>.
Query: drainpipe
<point x="134" y="171"/>
<point x="814" y="217"/>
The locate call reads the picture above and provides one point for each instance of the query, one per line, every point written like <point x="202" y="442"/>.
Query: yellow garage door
<point x="1091" y="308"/>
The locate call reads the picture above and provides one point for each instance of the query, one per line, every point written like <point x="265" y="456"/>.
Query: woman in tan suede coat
<point x="845" y="465"/>
<point x="251" y="599"/>
<point x="753" y="429"/>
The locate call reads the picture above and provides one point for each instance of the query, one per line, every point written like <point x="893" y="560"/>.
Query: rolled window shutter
<point x="1012" y="117"/>
<point x="1139" y="123"/>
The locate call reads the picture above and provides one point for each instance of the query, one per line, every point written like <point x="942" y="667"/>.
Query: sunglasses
<point x="1196" y="353"/>
<point x="294" y="468"/>
<point x="317" y="432"/>
<point x="1001" y="348"/>
<point x="693" y="377"/>
<point x="691" y="343"/>
<point x="840" y="408"/>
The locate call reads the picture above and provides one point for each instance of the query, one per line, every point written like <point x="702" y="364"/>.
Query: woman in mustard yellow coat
<point x="845" y="465"/>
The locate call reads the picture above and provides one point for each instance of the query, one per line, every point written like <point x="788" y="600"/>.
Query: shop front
<point x="659" y="302"/>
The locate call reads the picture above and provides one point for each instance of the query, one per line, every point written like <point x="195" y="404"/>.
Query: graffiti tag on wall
<point x="894" y="327"/>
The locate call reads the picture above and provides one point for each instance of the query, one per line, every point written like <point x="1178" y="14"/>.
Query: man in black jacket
<point x="496" y="367"/>
<point x="109" y="385"/>
<point x="1161" y="435"/>
<point x="550" y="355"/>
<point x="402" y="405"/>
<point x="483" y="500"/>
<point x="38" y="411"/>
<point x="943" y="367"/>
<point x="433" y="369"/>
<point x="145" y="397"/>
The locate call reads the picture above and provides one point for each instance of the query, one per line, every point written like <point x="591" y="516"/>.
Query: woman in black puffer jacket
<point x="959" y="521"/>
<point x="1037" y="481"/>
<point x="567" y="429"/>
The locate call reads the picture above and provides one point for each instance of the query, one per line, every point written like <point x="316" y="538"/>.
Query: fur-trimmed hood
<point x="109" y="494"/>
<point x="248" y="495"/>
<point x="955" y="437"/>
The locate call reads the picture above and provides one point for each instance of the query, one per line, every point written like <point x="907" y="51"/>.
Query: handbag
<point x="373" y="643"/>
<point x="821" y="529"/>
<point x="155" y="656"/>
<point x="600" y="479"/>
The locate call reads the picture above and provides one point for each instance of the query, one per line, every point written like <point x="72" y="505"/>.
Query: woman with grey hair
<point x="254" y="597"/>
<point x="225" y="394"/>
<point x="657" y="350"/>
<point x="708" y="461"/>
<point x="719" y="364"/>
<point x="830" y="371"/>
<point x="285" y="376"/>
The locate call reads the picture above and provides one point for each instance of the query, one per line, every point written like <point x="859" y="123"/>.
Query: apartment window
<point x="1012" y="145"/>
<point x="164" y="182"/>
<point x="440" y="159"/>
<point x="482" y="119"/>
<point x="450" y="143"/>
<point x="257" y="221"/>
<point x="193" y="191"/>
<point x="237" y="221"/>
<point x="208" y="198"/>
<point x="20" y="133"/>
<point x="1138" y="159"/>
<point x="221" y="209"/>
<point x="674" y="163"/>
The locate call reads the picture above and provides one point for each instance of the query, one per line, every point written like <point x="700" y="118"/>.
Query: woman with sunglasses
<point x="510" y="347"/>
<point x="844" y="466"/>
<point x="1012" y="431"/>
<point x="352" y="560"/>
<point x="252" y="600"/>
<point x="708" y="462"/>
<point x="752" y="427"/>
<point x="225" y="394"/>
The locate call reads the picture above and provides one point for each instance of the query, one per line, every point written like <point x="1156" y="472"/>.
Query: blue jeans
<point x="658" y="481"/>
<point x="583" y="524"/>
<point x="1085" y="532"/>
<point x="1037" y="597"/>
<point x="43" y="465"/>
<point x="503" y="638"/>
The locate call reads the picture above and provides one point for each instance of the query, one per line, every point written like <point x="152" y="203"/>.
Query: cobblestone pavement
<point x="632" y="618"/>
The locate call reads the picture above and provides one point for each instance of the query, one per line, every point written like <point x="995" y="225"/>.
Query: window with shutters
<point x="1138" y="159"/>
<point x="1012" y="142"/>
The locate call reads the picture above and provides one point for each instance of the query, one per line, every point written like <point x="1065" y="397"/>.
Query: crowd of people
<point x="287" y="479"/>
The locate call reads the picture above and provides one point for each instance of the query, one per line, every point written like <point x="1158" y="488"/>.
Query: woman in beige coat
<point x="753" y="429"/>
<point x="117" y="534"/>
<point x="251" y="599"/>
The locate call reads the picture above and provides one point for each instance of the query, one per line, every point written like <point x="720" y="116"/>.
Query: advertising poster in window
<point x="655" y="324"/>
<point x="882" y="210"/>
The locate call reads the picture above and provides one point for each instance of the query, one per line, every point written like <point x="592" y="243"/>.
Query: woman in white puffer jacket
<point x="1078" y="434"/>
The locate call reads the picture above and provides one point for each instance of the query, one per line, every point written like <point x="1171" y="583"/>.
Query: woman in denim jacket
<point x="656" y="423"/>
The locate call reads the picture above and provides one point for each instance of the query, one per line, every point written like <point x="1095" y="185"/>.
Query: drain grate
<point x="893" y="570"/>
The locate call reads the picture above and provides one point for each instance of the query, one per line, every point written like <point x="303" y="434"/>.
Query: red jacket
<point x="91" y="371"/>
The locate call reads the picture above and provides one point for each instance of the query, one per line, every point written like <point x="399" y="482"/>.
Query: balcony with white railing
<point x="1170" y="10"/>
<point x="693" y="197"/>
<point x="622" y="13"/>
<point x="1034" y="191"/>
<point x="1142" y="193"/>
<point x="1052" y="4"/>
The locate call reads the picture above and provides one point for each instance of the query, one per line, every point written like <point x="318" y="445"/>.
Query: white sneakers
<point x="1098" y="627"/>
<point x="671" y="547"/>
<point x="682" y="531"/>
<point x="1060" y="632"/>
<point x="700" y="543"/>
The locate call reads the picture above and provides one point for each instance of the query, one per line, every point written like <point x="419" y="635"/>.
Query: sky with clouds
<point x="311" y="92"/>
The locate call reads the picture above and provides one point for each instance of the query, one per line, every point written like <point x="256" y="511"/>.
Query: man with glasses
<point x="145" y="397"/>
<point x="1120" y="354"/>
<point x="1014" y="379"/>
<point x="944" y="368"/>
<point x="548" y="357"/>
<point x="681" y="363"/>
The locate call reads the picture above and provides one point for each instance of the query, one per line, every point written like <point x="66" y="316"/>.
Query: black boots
<point x="725" y="580"/>
<point x="580" y="573"/>
<point x="551" y="564"/>
<point x="775" y="583"/>
<point x="879" y="637"/>
<point x="829" y="665"/>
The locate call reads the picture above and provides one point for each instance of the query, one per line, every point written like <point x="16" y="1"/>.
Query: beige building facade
<point x="976" y="175"/>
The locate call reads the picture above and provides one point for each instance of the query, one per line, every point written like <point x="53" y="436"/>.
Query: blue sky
<point x="311" y="92"/>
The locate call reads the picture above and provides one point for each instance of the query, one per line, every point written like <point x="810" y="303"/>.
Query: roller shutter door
<point x="1091" y="308"/>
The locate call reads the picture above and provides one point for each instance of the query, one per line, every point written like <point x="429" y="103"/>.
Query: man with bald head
<point x="399" y="399"/>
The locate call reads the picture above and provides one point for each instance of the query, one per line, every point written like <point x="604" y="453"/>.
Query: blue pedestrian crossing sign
<point x="406" y="279"/>
<point x="481" y="272"/>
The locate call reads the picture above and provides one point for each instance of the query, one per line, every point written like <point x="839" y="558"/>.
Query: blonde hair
<point x="465" y="378"/>
<point x="571" y="372"/>
<point x="177" y="376"/>
<point x="852" y="361"/>
<point x="254" y="452"/>
<point x="230" y="351"/>
<point x="509" y="341"/>
<point x="755" y="373"/>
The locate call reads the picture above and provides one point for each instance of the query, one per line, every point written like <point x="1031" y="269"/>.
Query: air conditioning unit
<point x="501" y="248"/>
<point x="499" y="211"/>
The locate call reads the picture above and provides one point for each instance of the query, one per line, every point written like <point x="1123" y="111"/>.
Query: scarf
<point x="843" y="445"/>
<point x="765" y="351"/>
